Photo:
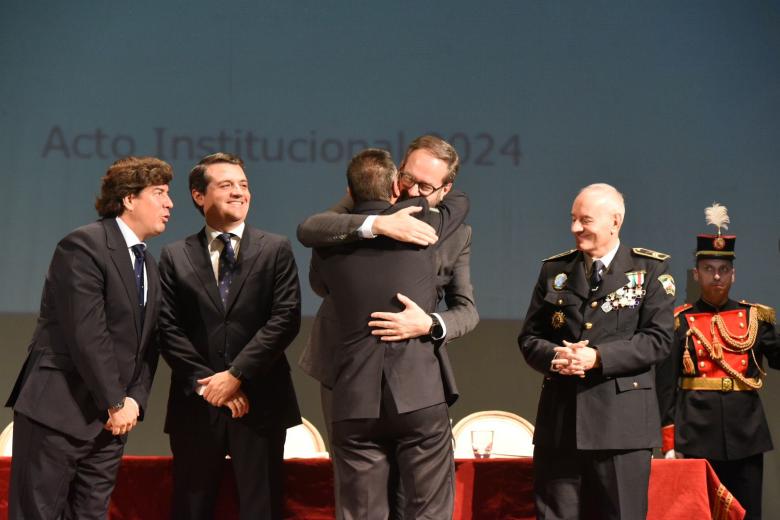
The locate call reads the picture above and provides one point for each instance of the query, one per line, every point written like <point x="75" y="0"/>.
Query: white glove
<point x="671" y="454"/>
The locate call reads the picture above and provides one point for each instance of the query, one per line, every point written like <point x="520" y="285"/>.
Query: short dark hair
<point x="440" y="149"/>
<point x="198" y="180"/>
<point x="129" y="176"/>
<point x="370" y="175"/>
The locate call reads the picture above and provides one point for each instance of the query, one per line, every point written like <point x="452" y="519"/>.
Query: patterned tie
<point x="138" y="267"/>
<point x="595" y="275"/>
<point x="227" y="264"/>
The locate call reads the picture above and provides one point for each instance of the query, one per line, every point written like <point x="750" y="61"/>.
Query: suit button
<point x="740" y="314"/>
<point x="741" y="325"/>
<point x="702" y="364"/>
<point x="560" y="302"/>
<point x="636" y="385"/>
<point x="701" y="352"/>
<point x="692" y="319"/>
<point x="588" y="325"/>
<point x="744" y="362"/>
<point x="593" y="305"/>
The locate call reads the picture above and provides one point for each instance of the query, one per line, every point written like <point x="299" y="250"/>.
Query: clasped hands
<point x="574" y="359"/>
<point x="123" y="420"/>
<point x="224" y="389"/>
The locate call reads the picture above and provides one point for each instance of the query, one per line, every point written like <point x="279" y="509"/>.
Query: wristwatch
<point x="437" y="331"/>
<point x="117" y="406"/>
<point x="235" y="372"/>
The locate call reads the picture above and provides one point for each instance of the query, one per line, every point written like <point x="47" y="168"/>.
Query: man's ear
<point x="695" y="275"/>
<point x="446" y="189"/>
<point x="349" y="192"/>
<point x="197" y="197"/>
<point x="396" y="188"/>
<point x="127" y="202"/>
<point x="617" y="222"/>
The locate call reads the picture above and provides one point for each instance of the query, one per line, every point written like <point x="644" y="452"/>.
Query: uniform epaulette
<point x="763" y="312"/>
<point x="560" y="255"/>
<point x="682" y="308"/>
<point x="650" y="253"/>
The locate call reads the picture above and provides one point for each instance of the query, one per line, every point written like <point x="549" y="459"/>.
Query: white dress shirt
<point x="131" y="239"/>
<point x="216" y="245"/>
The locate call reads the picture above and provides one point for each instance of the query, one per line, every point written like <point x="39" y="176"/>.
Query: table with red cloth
<point x="495" y="489"/>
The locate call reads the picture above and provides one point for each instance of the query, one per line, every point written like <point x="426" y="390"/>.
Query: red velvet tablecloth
<point x="493" y="489"/>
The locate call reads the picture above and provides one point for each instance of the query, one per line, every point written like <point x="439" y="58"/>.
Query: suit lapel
<point x="197" y="251"/>
<point x="615" y="277"/>
<point x="578" y="281"/>
<point x="251" y="244"/>
<point x="152" y="290"/>
<point x="120" y="256"/>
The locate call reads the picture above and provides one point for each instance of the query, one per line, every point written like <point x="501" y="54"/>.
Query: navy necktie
<point x="227" y="264"/>
<point x="595" y="274"/>
<point x="138" y="267"/>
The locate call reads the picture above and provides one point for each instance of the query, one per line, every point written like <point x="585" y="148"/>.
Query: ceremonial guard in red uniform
<point x="708" y="388"/>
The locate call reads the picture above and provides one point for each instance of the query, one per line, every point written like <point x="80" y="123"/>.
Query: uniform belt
<point x="723" y="384"/>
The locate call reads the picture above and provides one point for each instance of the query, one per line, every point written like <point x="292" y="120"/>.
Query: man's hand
<point x="411" y="322"/>
<point x="402" y="226"/>
<point x="574" y="359"/>
<point x="238" y="404"/>
<point x="123" y="420"/>
<point x="220" y="387"/>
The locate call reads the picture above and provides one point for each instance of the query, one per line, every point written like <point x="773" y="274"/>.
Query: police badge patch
<point x="559" y="282"/>
<point x="667" y="282"/>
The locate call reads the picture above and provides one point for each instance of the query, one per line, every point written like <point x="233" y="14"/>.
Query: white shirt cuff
<point x="443" y="327"/>
<point x="365" y="228"/>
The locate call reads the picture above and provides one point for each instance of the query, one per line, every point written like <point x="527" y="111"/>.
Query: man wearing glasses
<point x="428" y="169"/>
<point x="389" y="403"/>
<point x="708" y="387"/>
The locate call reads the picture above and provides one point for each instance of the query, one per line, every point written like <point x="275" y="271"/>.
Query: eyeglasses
<point x="407" y="181"/>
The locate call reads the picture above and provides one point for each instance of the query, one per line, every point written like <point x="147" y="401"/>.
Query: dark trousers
<point x="418" y="444"/>
<point x="744" y="478"/>
<point x="395" y="489"/>
<point x="198" y="459"/>
<point x="572" y="484"/>
<point x="56" y="476"/>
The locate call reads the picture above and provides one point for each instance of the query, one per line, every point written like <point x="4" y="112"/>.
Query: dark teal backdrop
<point x="677" y="103"/>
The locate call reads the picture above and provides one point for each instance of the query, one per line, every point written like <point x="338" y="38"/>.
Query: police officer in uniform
<point x="708" y="388"/>
<point x="600" y="318"/>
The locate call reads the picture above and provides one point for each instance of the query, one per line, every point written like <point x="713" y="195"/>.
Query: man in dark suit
<point x="709" y="387"/>
<point x="388" y="397"/>
<point x="231" y="306"/>
<point x="600" y="318"/>
<point x="428" y="169"/>
<point x="94" y="352"/>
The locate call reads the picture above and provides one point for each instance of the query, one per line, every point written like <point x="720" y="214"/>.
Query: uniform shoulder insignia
<point x="763" y="312"/>
<point x="560" y="255"/>
<point x="682" y="308"/>
<point x="641" y="251"/>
